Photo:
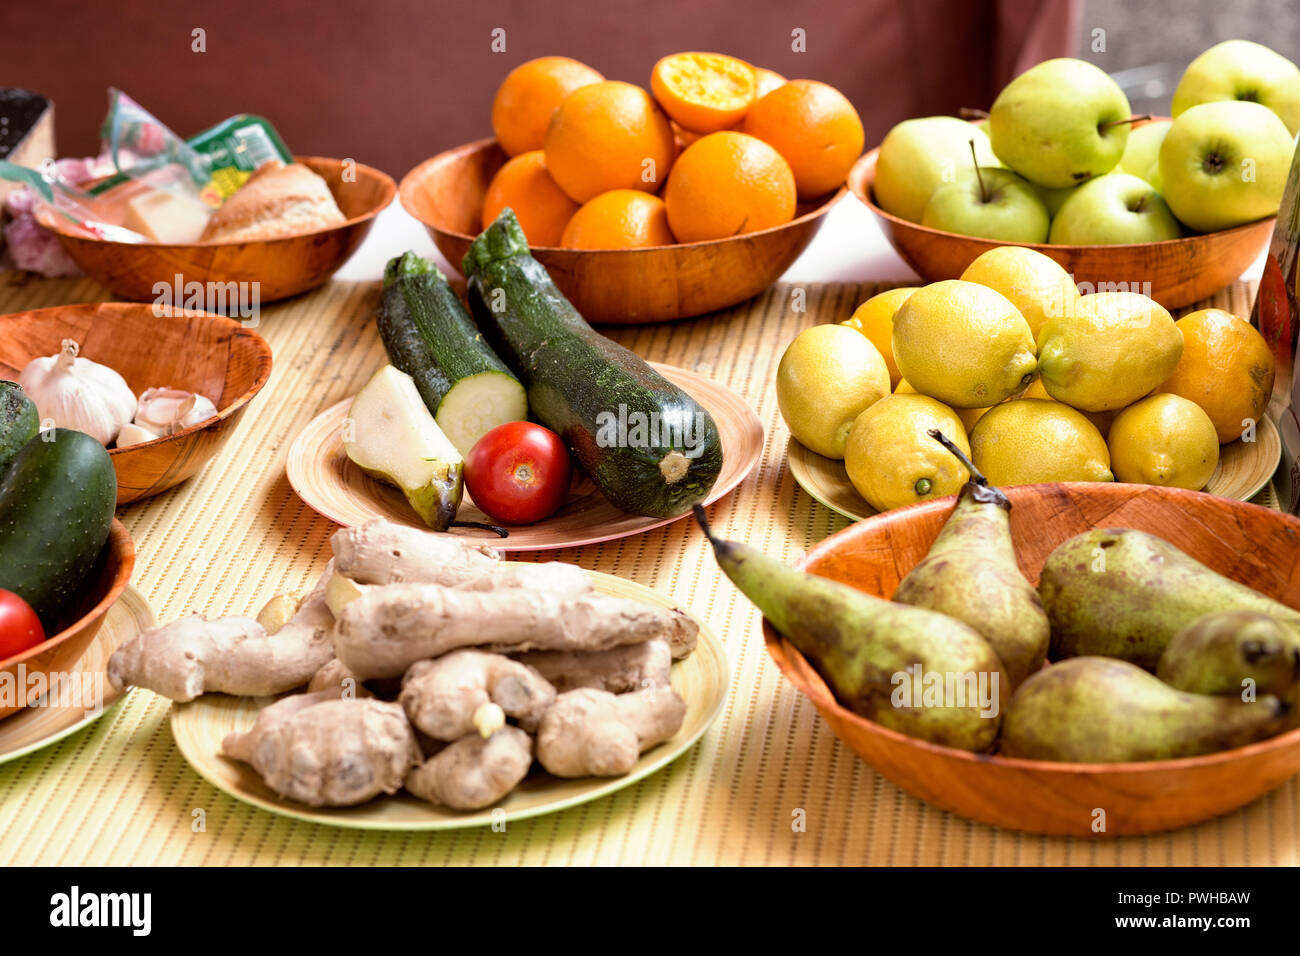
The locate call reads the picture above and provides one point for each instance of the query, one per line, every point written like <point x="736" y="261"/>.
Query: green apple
<point x="1225" y="163"/>
<point x="1053" y="198"/>
<point x="995" y="204"/>
<point x="1241" y="70"/>
<point x="919" y="154"/>
<point x="1142" y="153"/>
<point x="1060" y="123"/>
<point x="1115" y="208"/>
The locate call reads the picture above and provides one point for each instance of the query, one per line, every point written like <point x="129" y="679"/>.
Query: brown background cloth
<point x="392" y="82"/>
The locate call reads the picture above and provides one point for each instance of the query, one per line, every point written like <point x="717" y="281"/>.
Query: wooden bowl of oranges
<point x="648" y="207"/>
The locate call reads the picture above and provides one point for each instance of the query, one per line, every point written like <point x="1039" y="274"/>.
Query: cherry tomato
<point x="518" y="473"/>
<point x="20" y="628"/>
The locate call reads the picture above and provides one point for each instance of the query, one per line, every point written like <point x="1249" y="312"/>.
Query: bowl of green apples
<point x="1175" y="208"/>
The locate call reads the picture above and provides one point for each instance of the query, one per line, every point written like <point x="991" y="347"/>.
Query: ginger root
<point x="334" y="676"/>
<point x="231" y="655"/>
<point x="382" y="552"/>
<point x="474" y="772"/>
<point x="619" y="670"/>
<point x="593" y="733"/>
<point x="321" y="751"/>
<point x="386" y="629"/>
<point x="467" y="691"/>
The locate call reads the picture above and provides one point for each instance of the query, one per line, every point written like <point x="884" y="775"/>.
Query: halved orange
<point x="704" y="92"/>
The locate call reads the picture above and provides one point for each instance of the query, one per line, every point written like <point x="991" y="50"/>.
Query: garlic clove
<point x="168" y="410"/>
<point x="133" y="434"/>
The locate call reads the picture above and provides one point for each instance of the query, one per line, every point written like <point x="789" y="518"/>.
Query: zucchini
<point x="391" y="436"/>
<point x="650" y="448"/>
<point x="428" y="335"/>
<point x="56" y="509"/>
<point x="19" y="422"/>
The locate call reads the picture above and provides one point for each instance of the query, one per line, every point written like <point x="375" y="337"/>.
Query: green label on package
<point x="236" y="147"/>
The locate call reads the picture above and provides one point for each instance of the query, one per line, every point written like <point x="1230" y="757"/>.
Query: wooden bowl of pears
<point x="1169" y="691"/>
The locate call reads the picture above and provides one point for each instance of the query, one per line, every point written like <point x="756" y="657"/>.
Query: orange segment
<point x="814" y="127"/>
<point x="525" y="186"/>
<point x="529" y="95"/>
<point x="607" y="136"/>
<point x="619" y="219"/>
<point x="703" y="92"/>
<point x="726" y="184"/>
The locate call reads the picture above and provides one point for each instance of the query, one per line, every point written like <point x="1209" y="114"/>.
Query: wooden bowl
<point x="1179" y="271"/>
<point x="151" y="346"/>
<point x="281" y="267"/>
<point x="55" y="656"/>
<point x="1243" y="541"/>
<point x="621" y="286"/>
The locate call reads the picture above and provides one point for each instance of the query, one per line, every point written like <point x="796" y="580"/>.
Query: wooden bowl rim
<point x="58" y="225"/>
<point x="415" y="178"/>
<point x="862" y="178"/>
<point x="786" y="654"/>
<point x="122" y="549"/>
<point x="251" y="338"/>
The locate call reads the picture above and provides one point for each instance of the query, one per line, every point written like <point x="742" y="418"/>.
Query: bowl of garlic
<point x="162" y="389"/>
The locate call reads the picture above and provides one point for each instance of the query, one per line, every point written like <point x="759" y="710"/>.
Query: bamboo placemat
<point x="120" y="793"/>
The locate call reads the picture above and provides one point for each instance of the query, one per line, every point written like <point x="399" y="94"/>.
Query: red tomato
<point x="20" y="628"/>
<point x="518" y="473"/>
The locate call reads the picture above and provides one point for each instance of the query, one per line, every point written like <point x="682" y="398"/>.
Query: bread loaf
<point x="277" y="200"/>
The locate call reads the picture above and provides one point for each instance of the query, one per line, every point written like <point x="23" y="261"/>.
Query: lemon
<point x="1034" y="283"/>
<point x="1115" y="348"/>
<point x="1164" y="440"/>
<point x="828" y="375"/>
<point x="1101" y="420"/>
<point x="968" y="416"/>
<point x="963" y="344"/>
<point x="893" y="462"/>
<point x="1031" y="440"/>
<point x="875" y="319"/>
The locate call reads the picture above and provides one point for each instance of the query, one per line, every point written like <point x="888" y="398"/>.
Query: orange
<point x="529" y="95"/>
<point x="525" y="186"/>
<point x="1226" y="368"/>
<point x="814" y="127"/>
<point x="703" y="92"/>
<point x="607" y="136"/>
<point x="726" y="184"/>
<point x="767" y="81"/>
<point x="619" y="219"/>
<point x="875" y="319"/>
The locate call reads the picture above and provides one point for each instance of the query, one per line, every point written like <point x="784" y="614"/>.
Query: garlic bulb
<point x="79" y="394"/>
<point x="133" y="434"/>
<point x="165" y="411"/>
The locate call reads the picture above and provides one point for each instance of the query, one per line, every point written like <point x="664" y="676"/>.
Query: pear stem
<point x="703" y="521"/>
<point x="984" y="193"/>
<point x="976" y="475"/>
<point x="482" y="525"/>
<point x="970" y="113"/>
<point x="1132" y="119"/>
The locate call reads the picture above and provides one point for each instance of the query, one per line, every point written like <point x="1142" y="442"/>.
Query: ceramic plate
<point x="37" y="727"/>
<point x="1244" y="469"/>
<point x="326" y="479"/>
<point x="701" y="679"/>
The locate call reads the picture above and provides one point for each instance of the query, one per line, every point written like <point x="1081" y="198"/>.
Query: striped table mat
<point x="119" y="792"/>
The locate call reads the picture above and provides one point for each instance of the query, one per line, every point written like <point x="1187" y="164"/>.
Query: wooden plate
<point x="37" y="727"/>
<point x="700" y="679"/>
<point x="1244" y="469"/>
<point x="325" y="478"/>
<point x="1245" y="542"/>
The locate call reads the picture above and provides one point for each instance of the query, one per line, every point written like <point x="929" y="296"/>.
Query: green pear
<point x="1125" y="593"/>
<point x="970" y="574"/>
<point x="919" y="154"/>
<point x="1241" y="70"/>
<point x="1100" y="710"/>
<point x="989" y="203"/>
<point x="1060" y="123"/>
<point x="1233" y="652"/>
<point x="881" y="660"/>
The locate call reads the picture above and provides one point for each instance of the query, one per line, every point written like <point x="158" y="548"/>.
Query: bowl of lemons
<point x="1032" y="380"/>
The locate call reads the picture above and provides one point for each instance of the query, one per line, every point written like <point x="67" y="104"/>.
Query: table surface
<point x="119" y="791"/>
